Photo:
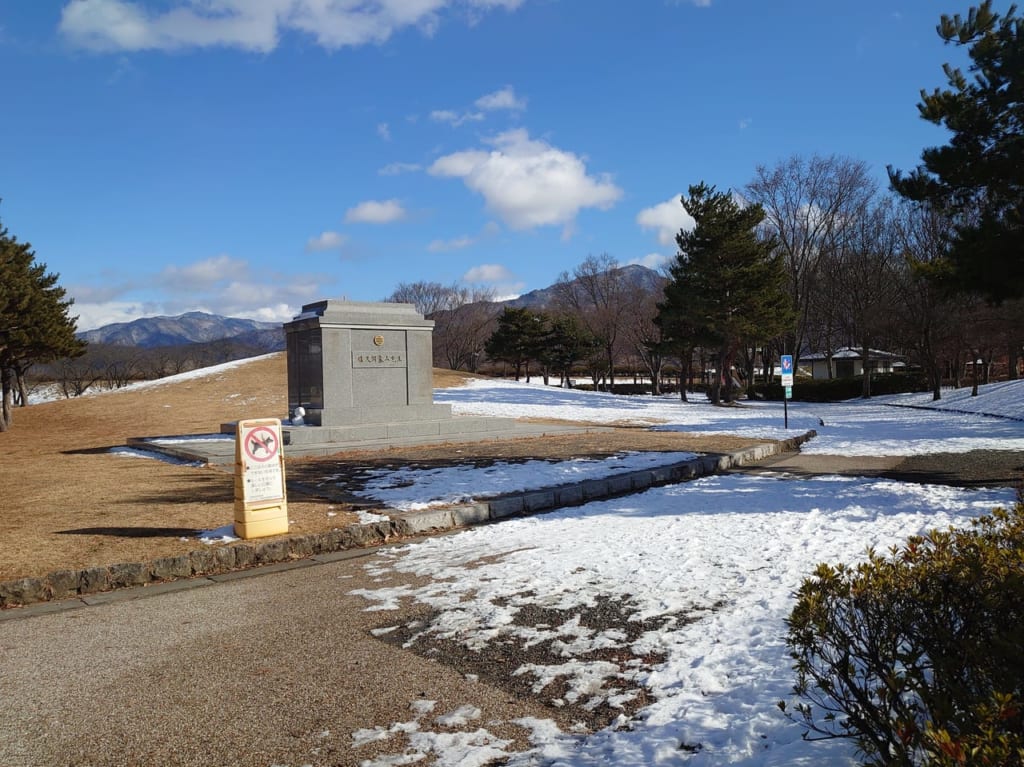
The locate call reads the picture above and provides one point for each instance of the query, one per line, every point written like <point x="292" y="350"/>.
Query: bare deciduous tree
<point x="809" y="206"/>
<point x="645" y="336"/>
<point x="866" y="267"/>
<point x="461" y="331"/>
<point x="427" y="297"/>
<point x="598" y="294"/>
<point x="463" y="319"/>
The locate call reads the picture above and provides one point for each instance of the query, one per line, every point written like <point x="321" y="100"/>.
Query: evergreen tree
<point x="977" y="178"/>
<point x="518" y="339"/>
<point x="566" y="343"/>
<point x="726" y="285"/>
<point x="34" y="321"/>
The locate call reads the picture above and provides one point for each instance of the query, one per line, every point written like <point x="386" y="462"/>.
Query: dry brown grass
<point x="68" y="502"/>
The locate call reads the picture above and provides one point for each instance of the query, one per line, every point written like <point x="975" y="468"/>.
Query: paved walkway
<point x="261" y="671"/>
<point x="219" y="448"/>
<point x="258" y="671"/>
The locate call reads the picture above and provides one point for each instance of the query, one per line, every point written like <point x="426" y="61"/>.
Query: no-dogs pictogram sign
<point x="261" y="443"/>
<point x="260" y="462"/>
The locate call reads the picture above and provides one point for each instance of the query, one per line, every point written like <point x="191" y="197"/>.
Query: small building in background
<point x="848" y="362"/>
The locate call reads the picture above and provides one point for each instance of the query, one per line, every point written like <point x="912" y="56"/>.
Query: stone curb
<point x="90" y="582"/>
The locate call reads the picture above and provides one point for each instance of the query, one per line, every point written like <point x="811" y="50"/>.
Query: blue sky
<point x="244" y="157"/>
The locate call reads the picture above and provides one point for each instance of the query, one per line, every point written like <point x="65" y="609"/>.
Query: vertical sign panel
<point x="261" y="507"/>
<point x="787" y="369"/>
<point x="262" y="463"/>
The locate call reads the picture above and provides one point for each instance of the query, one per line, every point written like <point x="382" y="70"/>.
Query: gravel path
<point x="977" y="468"/>
<point x="273" y="670"/>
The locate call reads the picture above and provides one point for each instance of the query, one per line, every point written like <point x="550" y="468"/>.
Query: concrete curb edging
<point x="91" y="583"/>
<point x="537" y="501"/>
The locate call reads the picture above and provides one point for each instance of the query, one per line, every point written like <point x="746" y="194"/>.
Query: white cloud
<point x="667" y="218"/>
<point x="219" y="285"/>
<point x="529" y="183"/>
<point x="397" y="168"/>
<point x="384" y="131"/>
<point x="444" y="246"/>
<point x="202" y="274"/>
<point x="254" y="24"/>
<point x="502" y="99"/>
<point x="455" y="119"/>
<point x="488" y="273"/>
<point x="123" y="25"/>
<point x="495" y="279"/>
<point x="375" y="212"/>
<point x="96" y="315"/>
<point x="651" y="261"/>
<point x="325" y="241"/>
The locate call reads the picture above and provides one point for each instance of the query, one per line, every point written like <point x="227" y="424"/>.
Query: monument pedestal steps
<point x="360" y="377"/>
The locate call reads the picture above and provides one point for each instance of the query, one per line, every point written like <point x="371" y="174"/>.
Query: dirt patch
<point x="527" y="659"/>
<point x="68" y="502"/>
<point x="977" y="468"/>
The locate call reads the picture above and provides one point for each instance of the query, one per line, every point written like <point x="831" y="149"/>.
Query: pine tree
<point x="565" y="343"/>
<point x="727" y="286"/>
<point x="34" y="322"/>
<point x="977" y="178"/>
<point x="518" y="338"/>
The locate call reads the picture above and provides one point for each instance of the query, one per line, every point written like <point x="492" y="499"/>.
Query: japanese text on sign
<point x="378" y="360"/>
<point x="261" y="466"/>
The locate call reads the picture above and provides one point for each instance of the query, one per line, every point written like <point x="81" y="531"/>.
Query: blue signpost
<point x="787" y="382"/>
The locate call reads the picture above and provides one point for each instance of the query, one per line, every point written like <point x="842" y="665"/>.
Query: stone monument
<point x="363" y="372"/>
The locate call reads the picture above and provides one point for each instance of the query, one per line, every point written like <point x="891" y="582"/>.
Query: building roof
<point x="849" y="353"/>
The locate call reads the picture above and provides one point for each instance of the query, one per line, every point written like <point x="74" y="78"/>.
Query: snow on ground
<point x="411" y="488"/>
<point x="131" y="452"/>
<point x="727" y="550"/>
<point x="858" y="427"/>
<point x="53" y="391"/>
<point x="1003" y="399"/>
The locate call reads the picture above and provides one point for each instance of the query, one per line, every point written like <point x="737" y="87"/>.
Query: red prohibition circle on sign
<point x="261" y="444"/>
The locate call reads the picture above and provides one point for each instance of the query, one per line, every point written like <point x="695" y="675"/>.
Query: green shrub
<point x="918" y="656"/>
<point x="839" y="389"/>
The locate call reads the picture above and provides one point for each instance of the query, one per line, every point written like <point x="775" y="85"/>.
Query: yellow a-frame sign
<point x="261" y="503"/>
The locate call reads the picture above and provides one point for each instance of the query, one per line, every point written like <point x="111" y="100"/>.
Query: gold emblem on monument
<point x="378" y="340"/>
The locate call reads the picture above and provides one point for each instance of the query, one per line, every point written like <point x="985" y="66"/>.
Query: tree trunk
<point x="611" y="369"/>
<point x="974" y="373"/>
<point x="716" y="387"/>
<point x="6" y="395"/>
<point x="685" y="371"/>
<point x="866" y="366"/>
<point x="22" y="389"/>
<point x="749" y="370"/>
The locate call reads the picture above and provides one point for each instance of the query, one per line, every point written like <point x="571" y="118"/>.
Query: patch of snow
<point x="877" y="426"/>
<point x="223" y="534"/>
<point x="131" y="452"/>
<point x="412" y="488"/>
<point x="728" y="551"/>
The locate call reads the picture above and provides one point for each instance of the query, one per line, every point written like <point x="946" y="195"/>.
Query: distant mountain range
<point x="203" y="328"/>
<point x="190" y="328"/>
<point x="542" y="298"/>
